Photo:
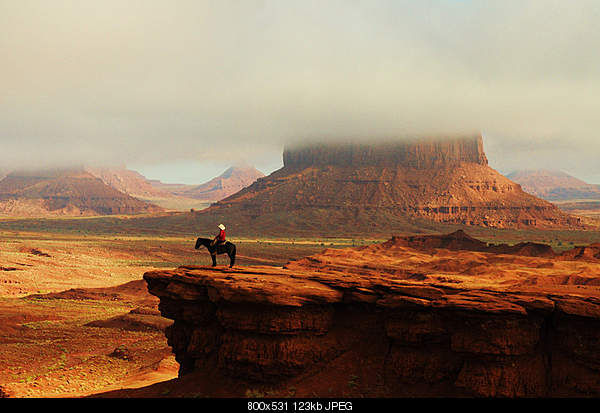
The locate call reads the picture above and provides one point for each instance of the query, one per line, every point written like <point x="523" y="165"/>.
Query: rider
<point x="219" y="239"/>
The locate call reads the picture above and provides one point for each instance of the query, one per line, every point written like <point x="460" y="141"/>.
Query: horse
<point x="227" y="248"/>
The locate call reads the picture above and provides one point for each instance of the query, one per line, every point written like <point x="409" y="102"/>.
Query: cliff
<point x="388" y="320"/>
<point x="422" y="153"/>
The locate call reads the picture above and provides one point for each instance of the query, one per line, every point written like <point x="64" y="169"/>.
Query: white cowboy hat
<point x="222" y="227"/>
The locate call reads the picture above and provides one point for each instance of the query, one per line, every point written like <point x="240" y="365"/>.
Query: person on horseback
<point x="218" y="240"/>
<point x="218" y="245"/>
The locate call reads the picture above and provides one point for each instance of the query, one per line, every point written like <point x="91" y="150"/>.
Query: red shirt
<point x="221" y="236"/>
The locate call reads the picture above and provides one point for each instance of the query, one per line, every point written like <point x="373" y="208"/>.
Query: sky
<point x="182" y="89"/>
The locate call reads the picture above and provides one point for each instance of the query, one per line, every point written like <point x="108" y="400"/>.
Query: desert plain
<point x="77" y="319"/>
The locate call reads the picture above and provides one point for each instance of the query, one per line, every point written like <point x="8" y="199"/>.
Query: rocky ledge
<point x="342" y="324"/>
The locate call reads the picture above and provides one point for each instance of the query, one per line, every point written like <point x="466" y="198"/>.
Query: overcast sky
<point x="181" y="89"/>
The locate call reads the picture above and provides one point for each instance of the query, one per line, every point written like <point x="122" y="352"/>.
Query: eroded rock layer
<point x="424" y="153"/>
<point x="390" y="320"/>
<point x="555" y="185"/>
<point x="445" y="181"/>
<point x="65" y="192"/>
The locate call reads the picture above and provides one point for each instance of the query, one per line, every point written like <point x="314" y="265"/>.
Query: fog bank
<point x="152" y="82"/>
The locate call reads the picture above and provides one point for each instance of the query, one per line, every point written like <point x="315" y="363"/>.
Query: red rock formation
<point x="128" y="181"/>
<point x="458" y="240"/>
<point x="423" y="153"/>
<point x="66" y="192"/>
<point x="229" y="182"/>
<point x="586" y="253"/>
<point x="387" y="320"/>
<point x="555" y="185"/>
<point x="461" y="241"/>
<point x="446" y="181"/>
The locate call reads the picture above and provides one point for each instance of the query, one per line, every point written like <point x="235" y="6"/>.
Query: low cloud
<point x="161" y="81"/>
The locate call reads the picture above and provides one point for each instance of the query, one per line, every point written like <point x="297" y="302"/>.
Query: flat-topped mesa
<point x="418" y="153"/>
<point x="350" y="187"/>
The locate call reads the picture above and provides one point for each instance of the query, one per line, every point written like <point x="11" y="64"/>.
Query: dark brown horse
<point x="226" y="248"/>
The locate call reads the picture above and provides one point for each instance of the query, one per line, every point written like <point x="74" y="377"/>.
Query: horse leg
<point x="231" y="254"/>
<point x="213" y="255"/>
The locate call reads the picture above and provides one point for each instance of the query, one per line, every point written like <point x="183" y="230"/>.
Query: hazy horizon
<point x="195" y="173"/>
<point x="185" y="89"/>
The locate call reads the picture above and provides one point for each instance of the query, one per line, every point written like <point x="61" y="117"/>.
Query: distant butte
<point x="229" y="182"/>
<point x="555" y="185"/>
<point x="388" y="184"/>
<point x="127" y="181"/>
<point x="73" y="192"/>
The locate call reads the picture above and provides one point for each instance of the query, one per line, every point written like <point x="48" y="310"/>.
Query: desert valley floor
<point x="75" y="315"/>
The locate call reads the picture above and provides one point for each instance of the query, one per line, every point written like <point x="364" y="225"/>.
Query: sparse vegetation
<point x="353" y="381"/>
<point x="254" y="394"/>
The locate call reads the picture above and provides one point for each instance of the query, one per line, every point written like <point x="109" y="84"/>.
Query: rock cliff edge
<point x="389" y="320"/>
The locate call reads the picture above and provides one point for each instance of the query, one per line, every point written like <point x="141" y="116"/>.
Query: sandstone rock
<point x="410" y="365"/>
<point x="275" y="320"/>
<point x="127" y="181"/>
<point x="335" y="315"/>
<point x="341" y="187"/>
<point x="424" y="153"/>
<point x="496" y="335"/>
<point x="417" y="327"/>
<point x="505" y="377"/>
<point x="229" y="182"/>
<point x="554" y="185"/>
<point x="65" y="192"/>
<point x="3" y="393"/>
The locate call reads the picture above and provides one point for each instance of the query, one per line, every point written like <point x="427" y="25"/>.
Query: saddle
<point x="215" y="244"/>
